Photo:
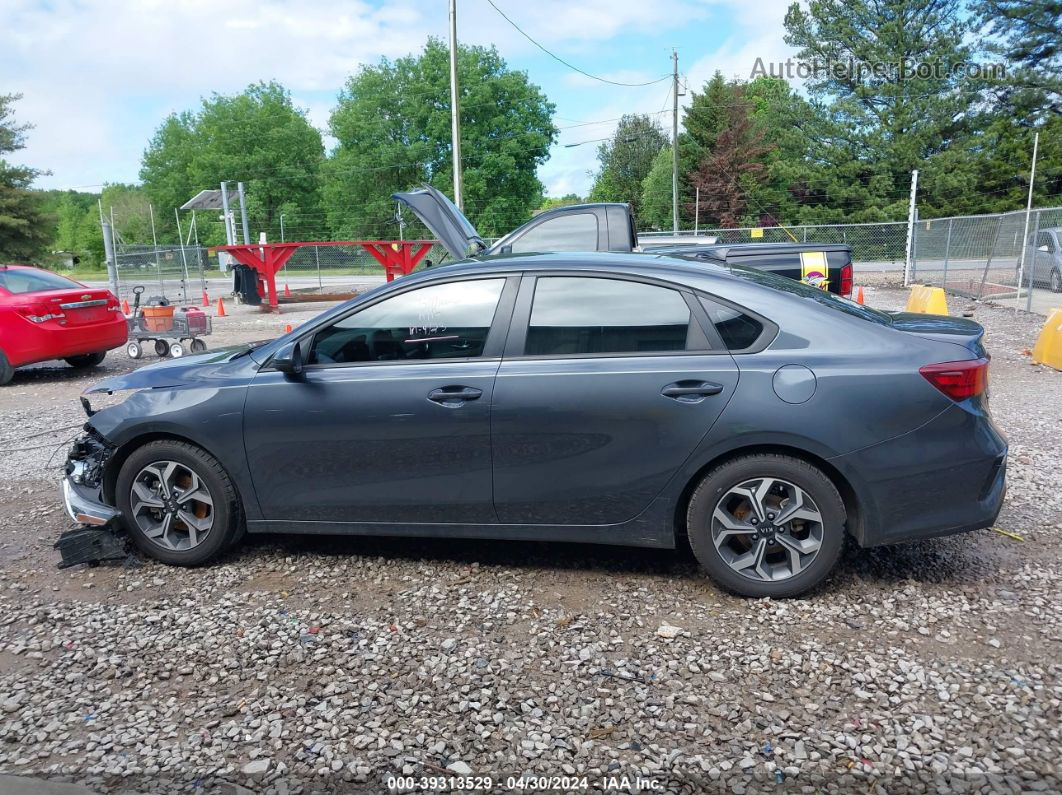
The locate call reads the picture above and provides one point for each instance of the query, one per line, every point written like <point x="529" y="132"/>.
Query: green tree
<point x="1028" y="35"/>
<point x="24" y="229"/>
<point x="392" y="123"/>
<point x="258" y="137"/>
<point x="654" y="211"/>
<point x="626" y="159"/>
<point x="706" y="116"/>
<point x="568" y="199"/>
<point x="910" y="101"/>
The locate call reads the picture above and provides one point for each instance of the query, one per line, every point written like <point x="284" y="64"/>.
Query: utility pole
<point x="910" y="229"/>
<point x="1025" y="235"/>
<point x="697" y="211"/>
<point x="455" y="110"/>
<point x="674" y="143"/>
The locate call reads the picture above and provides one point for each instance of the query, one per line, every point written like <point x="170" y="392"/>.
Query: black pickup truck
<point x="609" y="226"/>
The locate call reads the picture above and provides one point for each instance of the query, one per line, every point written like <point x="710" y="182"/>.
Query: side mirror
<point x="507" y="249"/>
<point x="289" y="360"/>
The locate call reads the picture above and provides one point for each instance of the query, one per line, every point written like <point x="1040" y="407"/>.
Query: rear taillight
<point x="38" y="313"/>
<point x="846" y="280"/>
<point x="958" y="380"/>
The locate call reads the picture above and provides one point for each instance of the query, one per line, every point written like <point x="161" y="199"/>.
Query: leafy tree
<point x="626" y="159"/>
<point x="908" y="103"/>
<point x="654" y="210"/>
<point x="566" y="200"/>
<point x="733" y="169"/>
<point x="258" y="137"/>
<point x="1028" y="34"/>
<point x="24" y="230"/>
<point x="392" y="123"/>
<point x="706" y="117"/>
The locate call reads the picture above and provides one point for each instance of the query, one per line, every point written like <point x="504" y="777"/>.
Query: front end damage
<point x="96" y="538"/>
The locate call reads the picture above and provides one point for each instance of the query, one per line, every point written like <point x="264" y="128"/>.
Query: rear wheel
<point x="7" y="372"/>
<point x="178" y="503"/>
<point x="1056" y="281"/>
<point x="177" y="350"/>
<point x="197" y="345"/>
<point x="162" y="348"/>
<point x="766" y="525"/>
<point x="133" y="350"/>
<point x="88" y="360"/>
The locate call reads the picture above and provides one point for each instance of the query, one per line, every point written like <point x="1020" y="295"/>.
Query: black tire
<point x="7" y="372"/>
<point x="227" y="511"/>
<point x="719" y="481"/>
<point x="162" y="348"/>
<point x="1056" y="281"/>
<point x="88" y="360"/>
<point x="197" y="346"/>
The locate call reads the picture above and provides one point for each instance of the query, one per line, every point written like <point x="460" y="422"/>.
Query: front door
<point x="390" y="421"/>
<point x="606" y="388"/>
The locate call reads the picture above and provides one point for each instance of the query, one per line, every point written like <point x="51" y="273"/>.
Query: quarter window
<point x="737" y="330"/>
<point x="577" y="315"/>
<point x="577" y="232"/>
<point x="442" y="321"/>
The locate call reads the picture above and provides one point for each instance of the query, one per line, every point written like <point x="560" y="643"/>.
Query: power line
<point x="574" y="68"/>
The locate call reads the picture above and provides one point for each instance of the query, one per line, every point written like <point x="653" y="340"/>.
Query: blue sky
<point x="98" y="77"/>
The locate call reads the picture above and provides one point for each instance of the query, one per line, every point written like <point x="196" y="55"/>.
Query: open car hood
<point x="445" y="221"/>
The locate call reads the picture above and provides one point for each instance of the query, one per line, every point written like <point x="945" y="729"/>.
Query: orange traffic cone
<point x="287" y="329"/>
<point x="206" y="298"/>
<point x="221" y="308"/>
<point x="287" y="292"/>
<point x="125" y="307"/>
<point x="859" y="296"/>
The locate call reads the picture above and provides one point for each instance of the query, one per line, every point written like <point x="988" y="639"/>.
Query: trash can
<point x="245" y="284"/>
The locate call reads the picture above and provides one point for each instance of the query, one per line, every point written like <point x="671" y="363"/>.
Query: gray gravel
<point x="316" y="665"/>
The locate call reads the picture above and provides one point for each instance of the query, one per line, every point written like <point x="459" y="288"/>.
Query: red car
<point x="47" y="316"/>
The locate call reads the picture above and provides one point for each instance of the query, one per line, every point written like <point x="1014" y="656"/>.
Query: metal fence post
<point x="317" y="254"/>
<point x="1032" y="268"/>
<point x="112" y="261"/>
<point x="991" y="253"/>
<point x="947" y="253"/>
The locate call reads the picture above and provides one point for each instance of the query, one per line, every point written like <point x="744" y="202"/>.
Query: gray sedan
<point x="609" y="398"/>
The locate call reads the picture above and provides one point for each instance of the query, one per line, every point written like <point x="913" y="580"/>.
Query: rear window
<point x="801" y="290"/>
<point x="25" y="280"/>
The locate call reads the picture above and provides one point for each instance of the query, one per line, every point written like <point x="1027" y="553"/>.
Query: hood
<point x="174" y="372"/>
<point x="445" y="221"/>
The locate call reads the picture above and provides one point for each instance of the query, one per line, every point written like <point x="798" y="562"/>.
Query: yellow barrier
<point x="927" y="300"/>
<point x="1048" y="348"/>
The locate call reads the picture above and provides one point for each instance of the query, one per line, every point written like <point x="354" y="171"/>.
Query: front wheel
<point x="767" y="525"/>
<point x="178" y="503"/>
<point x="88" y="360"/>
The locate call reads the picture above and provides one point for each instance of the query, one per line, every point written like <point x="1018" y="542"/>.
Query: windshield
<point x="27" y="280"/>
<point x="802" y="290"/>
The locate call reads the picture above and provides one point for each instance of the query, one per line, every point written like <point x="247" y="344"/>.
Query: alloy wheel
<point x="767" y="529"/>
<point x="171" y="505"/>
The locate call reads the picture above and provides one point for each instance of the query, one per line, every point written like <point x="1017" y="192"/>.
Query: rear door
<point x="607" y="385"/>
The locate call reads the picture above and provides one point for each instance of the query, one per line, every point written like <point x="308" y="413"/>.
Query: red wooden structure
<point x="397" y="257"/>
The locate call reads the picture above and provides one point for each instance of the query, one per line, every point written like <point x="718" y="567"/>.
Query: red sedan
<point x="47" y="316"/>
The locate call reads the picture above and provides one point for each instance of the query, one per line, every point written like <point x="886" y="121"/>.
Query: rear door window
<point x="584" y="315"/>
<point x="738" y="330"/>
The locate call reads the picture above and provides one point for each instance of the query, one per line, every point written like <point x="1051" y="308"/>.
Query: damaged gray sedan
<point x="625" y="399"/>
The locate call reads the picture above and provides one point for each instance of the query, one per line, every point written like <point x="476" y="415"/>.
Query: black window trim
<point x="492" y="348"/>
<point x="762" y="342"/>
<point x="521" y="319"/>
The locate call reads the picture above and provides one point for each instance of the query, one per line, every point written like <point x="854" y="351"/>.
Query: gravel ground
<point x="326" y="665"/>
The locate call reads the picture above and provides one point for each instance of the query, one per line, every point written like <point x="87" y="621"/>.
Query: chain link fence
<point x="980" y="256"/>
<point x="972" y="256"/>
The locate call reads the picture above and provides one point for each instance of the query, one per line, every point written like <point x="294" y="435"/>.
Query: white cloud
<point x="99" y="75"/>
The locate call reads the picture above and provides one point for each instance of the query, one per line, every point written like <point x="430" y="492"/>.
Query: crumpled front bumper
<point x="95" y="539"/>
